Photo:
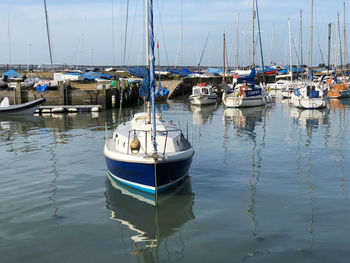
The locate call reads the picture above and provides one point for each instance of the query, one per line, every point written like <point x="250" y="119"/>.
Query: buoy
<point x="135" y="144"/>
<point x="72" y="109"/>
<point x="57" y="110"/>
<point x="46" y="111"/>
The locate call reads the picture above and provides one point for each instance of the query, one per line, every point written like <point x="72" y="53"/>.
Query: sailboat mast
<point x="253" y="36"/>
<point x="301" y="37"/>
<point x="290" y="52"/>
<point x="150" y="39"/>
<point x="237" y="41"/>
<point x="340" y="51"/>
<point x="223" y="59"/>
<point x="158" y="62"/>
<point x="113" y="52"/>
<point x="260" y="43"/>
<point x="344" y="37"/>
<point x="147" y="34"/>
<point x="29" y="53"/>
<point x="329" y="46"/>
<point x="311" y="34"/>
<point x="9" y="37"/>
<point x="182" y="32"/>
<point x="48" y="35"/>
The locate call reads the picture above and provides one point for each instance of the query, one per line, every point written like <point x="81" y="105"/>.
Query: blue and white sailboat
<point x="148" y="153"/>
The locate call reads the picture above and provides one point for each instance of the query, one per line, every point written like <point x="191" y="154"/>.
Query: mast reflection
<point x="305" y="122"/>
<point x="245" y="122"/>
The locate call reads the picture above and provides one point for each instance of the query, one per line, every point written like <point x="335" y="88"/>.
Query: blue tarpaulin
<point x="214" y="71"/>
<point x="138" y="72"/>
<point x="294" y="70"/>
<point x="249" y="78"/>
<point x="184" y="72"/>
<point x="144" y="88"/>
<point x="266" y="69"/>
<point x="90" y="75"/>
<point x="11" y="74"/>
<point x="96" y="75"/>
<point x="41" y="88"/>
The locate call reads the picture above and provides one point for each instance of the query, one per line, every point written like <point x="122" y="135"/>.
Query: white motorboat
<point x="20" y="109"/>
<point x="203" y="94"/>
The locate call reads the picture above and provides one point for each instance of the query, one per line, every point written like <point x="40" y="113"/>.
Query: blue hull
<point x="345" y="94"/>
<point x="142" y="176"/>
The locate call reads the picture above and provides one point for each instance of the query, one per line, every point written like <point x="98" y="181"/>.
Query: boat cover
<point x="249" y="78"/>
<point x="144" y="88"/>
<point x="138" y="72"/>
<point x="214" y="71"/>
<point x="184" y="72"/>
<point x="12" y="74"/>
<point x="5" y="102"/>
<point x="41" y="88"/>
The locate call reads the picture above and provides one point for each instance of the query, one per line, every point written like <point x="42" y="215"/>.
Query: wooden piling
<point x="62" y="99"/>
<point x="18" y="93"/>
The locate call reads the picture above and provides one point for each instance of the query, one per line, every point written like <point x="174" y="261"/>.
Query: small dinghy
<point x="23" y="108"/>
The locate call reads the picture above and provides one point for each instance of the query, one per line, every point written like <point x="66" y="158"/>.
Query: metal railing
<point x="134" y="131"/>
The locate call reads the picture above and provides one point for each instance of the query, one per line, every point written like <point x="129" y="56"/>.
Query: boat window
<point x="205" y="90"/>
<point x="196" y="92"/>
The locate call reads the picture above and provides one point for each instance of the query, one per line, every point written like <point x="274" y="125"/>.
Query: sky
<point x="94" y="32"/>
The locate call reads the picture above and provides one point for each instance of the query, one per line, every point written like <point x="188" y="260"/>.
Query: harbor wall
<point x="106" y="96"/>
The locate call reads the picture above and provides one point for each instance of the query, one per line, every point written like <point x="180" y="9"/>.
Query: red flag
<point x="157" y="44"/>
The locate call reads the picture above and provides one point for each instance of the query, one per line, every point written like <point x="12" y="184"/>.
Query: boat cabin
<point x="202" y="89"/>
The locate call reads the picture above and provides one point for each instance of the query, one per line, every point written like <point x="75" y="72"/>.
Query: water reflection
<point x="304" y="123"/>
<point x="335" y="138"/>
<point x="309" y="119"/>
<point x="26" y="133"/>
<point x="244" y="120"/>
<point x="148" y="225"/>
<point x="203" y="115"/>
<point x="250" y="122"/>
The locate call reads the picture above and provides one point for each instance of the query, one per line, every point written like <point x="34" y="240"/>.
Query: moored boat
<point x="310" y="96"/>
<point x="20" y="109"/>
<point x="132" y="160"/>
<point x="245" y="93"/>
<point x="203" y="94"/>
<point x="338" y="91"/>
<point x="147" y="152"/>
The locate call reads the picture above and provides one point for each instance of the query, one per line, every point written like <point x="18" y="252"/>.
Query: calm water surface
<point x="266" y="184"/>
